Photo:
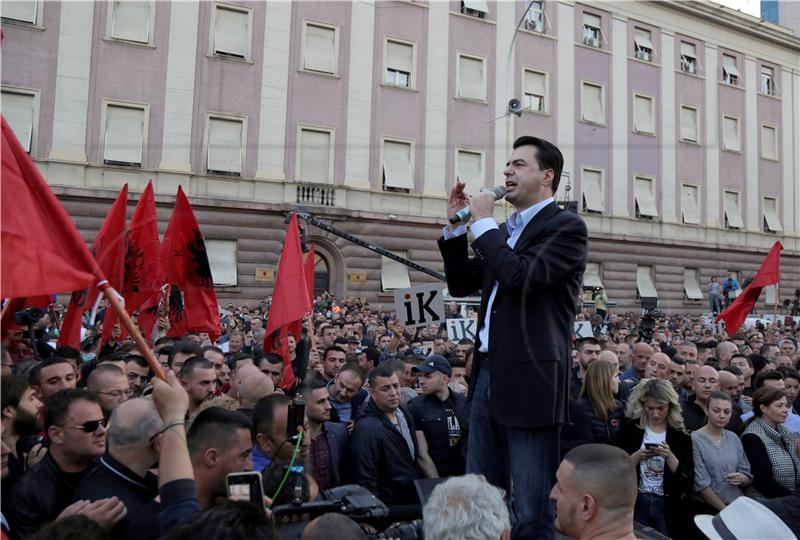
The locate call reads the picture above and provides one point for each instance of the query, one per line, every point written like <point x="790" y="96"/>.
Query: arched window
<point x="322" y="275"/>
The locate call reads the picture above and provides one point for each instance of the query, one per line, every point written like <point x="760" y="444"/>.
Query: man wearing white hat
<point x="744" y="519"/>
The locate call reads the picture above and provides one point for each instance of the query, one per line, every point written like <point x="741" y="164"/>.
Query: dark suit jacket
<point x="532" y="314"/>
<point x="337" y="437"/>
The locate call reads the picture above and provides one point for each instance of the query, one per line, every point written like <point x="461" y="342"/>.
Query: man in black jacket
<point x="383" y="449"/>
<point x="124" y="470"/>
<point x="76" y="431"/>
<point x="530" y="271"/>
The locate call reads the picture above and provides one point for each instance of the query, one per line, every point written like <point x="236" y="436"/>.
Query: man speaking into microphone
<point x="530" y="271"/>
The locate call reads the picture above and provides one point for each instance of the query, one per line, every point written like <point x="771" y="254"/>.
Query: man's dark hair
<point x="75" y="527"/>
<point x="264" y="412"/>
<point x="140" y="361"/>
<point x="340" y="341"/>
<point x="100" y="370"/>
<point x="740" y="355"/>
<point x="232" y="520"/>
<point x="354" y="369"/>
<point x="115" y="356"/>
<point x="193" y="363"/>
<point x="273" y="358"/>
<point x="456" y="362"/>
<point x="184" y="347"/>
<point x="168" y="340"/>
<point x="466" y="341"/>
<point x="215" y="427"/>
<point x="333" y="348"/>
<point x="586" y="341"/>
<point x="11" y="390"/>
<point x="788" y="373"/>
<point x="548" y="156"/>
<point x="68" y="352"/>
<point x="207" y="348"/>
<point x="770" y="375"/>
<point x="733" y="369"/>
<point x="241" y="356"/>
<point x="35" y="375"/>
<point x="58" y="405"/>
<point x="386" y="369"/>
<point x="606" y="472"/>
<point x="312" y="382"/>
<point x="678" y="360"/>
<point x="373" y="355"/>
<point x="764" y="349"/>
<point x="758" y="362"/>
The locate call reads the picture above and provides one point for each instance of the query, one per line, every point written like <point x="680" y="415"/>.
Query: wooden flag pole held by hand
<point x="141" y="344"/>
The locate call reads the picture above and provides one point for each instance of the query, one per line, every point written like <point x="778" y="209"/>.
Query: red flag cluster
<point x="769" y="274"/>
<point x="291" y="300"/>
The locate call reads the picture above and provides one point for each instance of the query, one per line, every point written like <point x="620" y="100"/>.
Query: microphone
<point x="463" y="215"/>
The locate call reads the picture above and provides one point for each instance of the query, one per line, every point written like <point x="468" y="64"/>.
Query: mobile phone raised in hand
<point x="246" y="486"/>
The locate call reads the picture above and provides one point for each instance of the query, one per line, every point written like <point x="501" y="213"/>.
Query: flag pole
<point x="6" y="303"/>
<point x="777" y="297"/>
<point x="141" y="344"/>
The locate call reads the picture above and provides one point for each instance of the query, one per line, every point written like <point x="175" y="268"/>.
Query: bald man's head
<point x="729" y="383"/>
<point x="132" y="426"/>
<point x="244" y="372"/>
<point x="641" y="356"/>
<point x="610" y="357"/>
<point x="657" y="366"/>
<point x="706" y="380"/>
<point x="254" y="387"/>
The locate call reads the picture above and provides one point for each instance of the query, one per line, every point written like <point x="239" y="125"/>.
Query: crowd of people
<point x="668" y="420"/>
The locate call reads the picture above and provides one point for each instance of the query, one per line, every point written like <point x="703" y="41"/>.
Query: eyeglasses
<point x="91" y="426"/>
<point x="116" y="394"/>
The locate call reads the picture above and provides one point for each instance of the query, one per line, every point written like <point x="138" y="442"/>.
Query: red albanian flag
<point x="42" y="251"/>
<point x="290" y="302"/>
<point x="108" y="249"/>
<point x="183" y="265"/>
<point x="769" y="274"/>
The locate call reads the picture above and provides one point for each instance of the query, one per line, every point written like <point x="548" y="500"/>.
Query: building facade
<point x="679" y="124"/>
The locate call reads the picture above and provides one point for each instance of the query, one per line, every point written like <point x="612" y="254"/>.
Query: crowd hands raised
<point x="669" y="420"/>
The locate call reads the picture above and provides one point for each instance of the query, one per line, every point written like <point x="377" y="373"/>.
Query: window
<point x="690" y="204"/>
<point x="394" y="274"/>
<point x="19" y="110"/>
<point x="592" y="109"/>
<point x="591" y="276"/>
<point x="689" y="124"/>
<point x="769" y="295"/>
<point x="772" y="221"/>
<point x="314" y="160"/>
<point x="592" y="188"/>
<point x="644" y="113"/>
<point x="769" y="142"/>
<point x="730" y="74"/>
<point x="535" y="16"/>
<point x="321" y="48"/>
<point x="691" y="284"/>
<point x="730" y="134"/>
<point x="398" y="165"/>
<point x="130" y="20"/>
<point x="225" y="146"/>
<point x="400" y="64"/>
<point x="592" y="30"/>
<point x="643" y="47"/>
<point x="469" y="167"/>
<point x="768" y="81"/>
<point x="124" y="137"/>
<point x="534" y="90"/>
<point x="645" y="285"/>
<point x="645" y="200"/>
<point x="688" y="58"/>
<point x="222" y="260"/>
<point x="733" y="212"/>
<point x="25" y="11"/>
<point x="232" y="27"/>
<point x="475" y="8"/>
<point x="471" y="77"/>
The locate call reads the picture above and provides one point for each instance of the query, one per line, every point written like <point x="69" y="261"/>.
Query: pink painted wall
<point x="470" y="122"/>
<point x="732" y="103"/>
<point x="399" y="112"/>
<point x="35" y="67"/>
<point x="126" y="72"/>
<point x="538" y="52"/>
<point x="770" y="173"/>
<point x="316" y="98"/>
<point x="690" y="158"/>
<point x="228" y="86"/>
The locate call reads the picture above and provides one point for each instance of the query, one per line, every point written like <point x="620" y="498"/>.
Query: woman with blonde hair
<point x="659" y="445"/>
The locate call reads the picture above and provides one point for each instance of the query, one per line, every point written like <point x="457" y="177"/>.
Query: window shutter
<point x="689" y="126"/>
<point x="20" y="10"/>
<point x="592" y="102"/>
<point x="222" y="260"/>
<point x="225" y="145"/>
<point x="690" y="204"/>
<point x="769" y="142"/>
<point x="471" y="78"/>
<point x="18" y="112"/>
<point x="397" y="165"/>
<point x="643" y="189"/>
<point x="400" y="56"/>
<point x="470" y="171"/>
<point x="643" y="114"/>
<point x="315" y="152"/>
<point x="592" y="187"/>
<point x="730" y="133"/>
<point x="732" y="210"/>
<point x="320" y="47"/>
<point x="124" y="135"/>
<point x="131" y="20"/>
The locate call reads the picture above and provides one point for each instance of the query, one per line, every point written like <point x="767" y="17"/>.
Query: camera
<point x="410" y="530"/>
<point x="28" y="316"/>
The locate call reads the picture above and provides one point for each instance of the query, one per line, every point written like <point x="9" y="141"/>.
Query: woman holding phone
<point x="661" y="448"/>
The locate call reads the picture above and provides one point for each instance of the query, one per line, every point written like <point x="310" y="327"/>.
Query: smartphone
<point x="246" y="486"/>
<point x="295" y="418"/>
<point x="650" y="445"/>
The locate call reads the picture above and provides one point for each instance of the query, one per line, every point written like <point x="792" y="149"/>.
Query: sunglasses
<point x="91" y="426"/>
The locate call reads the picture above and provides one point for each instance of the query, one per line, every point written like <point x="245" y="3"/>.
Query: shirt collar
<point x="521" y="219"/>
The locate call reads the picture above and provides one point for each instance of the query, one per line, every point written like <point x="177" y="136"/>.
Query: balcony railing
<point x="315" y="195"/>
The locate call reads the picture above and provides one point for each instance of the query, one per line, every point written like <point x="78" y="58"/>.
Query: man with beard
<point x="327" y="440"/>
<point x="588" y="351"/>
<point x="21" y="429"/>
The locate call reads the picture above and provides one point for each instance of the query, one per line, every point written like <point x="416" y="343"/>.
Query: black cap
<point x="434" y="362"/>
